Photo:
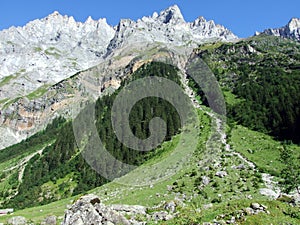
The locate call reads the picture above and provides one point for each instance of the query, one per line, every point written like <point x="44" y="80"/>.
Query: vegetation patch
<point x="38" y="93"/>
<point x="52" y="51"/>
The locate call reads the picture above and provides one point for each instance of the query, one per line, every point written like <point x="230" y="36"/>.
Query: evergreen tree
<point x="291" y="171"/>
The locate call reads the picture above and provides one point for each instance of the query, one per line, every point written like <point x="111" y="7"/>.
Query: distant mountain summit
<point x="171" y="15"/>
<point x="291" y="30"/>
<point x="168" y="27"/>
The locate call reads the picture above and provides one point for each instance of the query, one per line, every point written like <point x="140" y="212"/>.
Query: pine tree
<point x="291" y="171"/>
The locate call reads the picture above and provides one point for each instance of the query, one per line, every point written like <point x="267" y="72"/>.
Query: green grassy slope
<point x="260" y="77"/>
<point x="228" y="195"/>
<point x="220" y="198"/>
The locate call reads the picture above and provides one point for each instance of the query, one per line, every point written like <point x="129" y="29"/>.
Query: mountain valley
<point x="234" y="159"/>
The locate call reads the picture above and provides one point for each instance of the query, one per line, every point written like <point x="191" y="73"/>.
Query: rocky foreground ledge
<point x="89" y="210"/>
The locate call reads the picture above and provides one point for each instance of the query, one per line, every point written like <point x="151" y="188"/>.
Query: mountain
<point x="36" y="60"/>
<point x="36" y="57"/>
<point x="259" y="71"/>
<point x="231" y="177"/>
<point x="46" y="51"/>
<point x="170" y="28"/>
<point x="291" y="30"/>
<point x="241" y="168"/>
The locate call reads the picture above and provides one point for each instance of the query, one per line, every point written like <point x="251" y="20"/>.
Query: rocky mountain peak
<point x="171" y="15"/>
<point x="291" y="30"/>
<point x="169" y="28"/>
<point x="54" y="15"/>
<point x="294" y="24"/>
<point x="199" y="20"/>
<point x="49" y="50"/>
<point x="123" y="24"/>
<point x="89" y="20"/>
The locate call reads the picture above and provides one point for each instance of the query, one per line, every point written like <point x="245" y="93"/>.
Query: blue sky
<point x="242" y="17"/>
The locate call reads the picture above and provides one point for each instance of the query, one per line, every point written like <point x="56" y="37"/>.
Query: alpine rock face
<point x="291" y="30"/>
<point x="170" y="28"/>
<point x="46" y="51"/>
<point x="37" y="56"/>
<point x="53" y="63"/>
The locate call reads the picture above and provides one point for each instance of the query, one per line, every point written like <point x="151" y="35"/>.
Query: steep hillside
<point x="60" y="170"/>
<point x="260" y="77"/>
<point x="227" y="190"/>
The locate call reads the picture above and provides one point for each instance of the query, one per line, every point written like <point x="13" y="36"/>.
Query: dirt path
<point x="25" y="161"/>
<point x="22" y="164"/>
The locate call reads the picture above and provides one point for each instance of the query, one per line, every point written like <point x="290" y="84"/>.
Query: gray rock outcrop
<point x="90" y="210"/>
<point x="50" y="220"/>
<point x="17" y="220"/>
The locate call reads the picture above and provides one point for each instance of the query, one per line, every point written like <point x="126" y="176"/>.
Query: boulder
<point x="162" y="215"/>
<point x="284" y="198"/>
<point x="130" y="209"/>
<point x="221" y="174"/>
<point x="170" y="206"/>
<point x="231" y="221"/>
<point x="268" y="192"/>
<point x="207" y="206"/>
<point x="93" y="199"/>
<point x="264" y="207"/>
<point x="17" y="220"/>
<point x="50" y="220"/>
<point x="89" y="210"/>
<point x="255" y="206"/>
<point x="249" y="211"/>
<point x="241" y="167"/>
<point x="205" y="180"/>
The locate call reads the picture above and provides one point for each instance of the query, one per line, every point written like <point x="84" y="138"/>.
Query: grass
<point x="146" y="196"/>
<point x="277" y="213"/>
<point x="61" y="188"/>
<point x="8" y="103"/>
<point x="38" y="49"/>
<point x="234" y="189"/>
<point x="37" y="214"/>
<point x="53" y="52"/>
<point x="9" y="171"/>
<point x="6" y="80"/>
<point x="210" y="46"/>
<point x="118" y="192"/>
<point x="259" y="148"/>
<point x="38" y="92"/>
<point x="171" y="153"/>
<point x="231" y="99"/>
<point x="3" y="100"/>
<point x="9" y="78"/>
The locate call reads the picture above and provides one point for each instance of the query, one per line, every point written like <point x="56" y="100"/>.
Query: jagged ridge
<point x="168" y="27"/>
<point x="291" y="30"/>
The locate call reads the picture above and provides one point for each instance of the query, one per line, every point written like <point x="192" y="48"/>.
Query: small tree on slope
<point x="291" y="171"/>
